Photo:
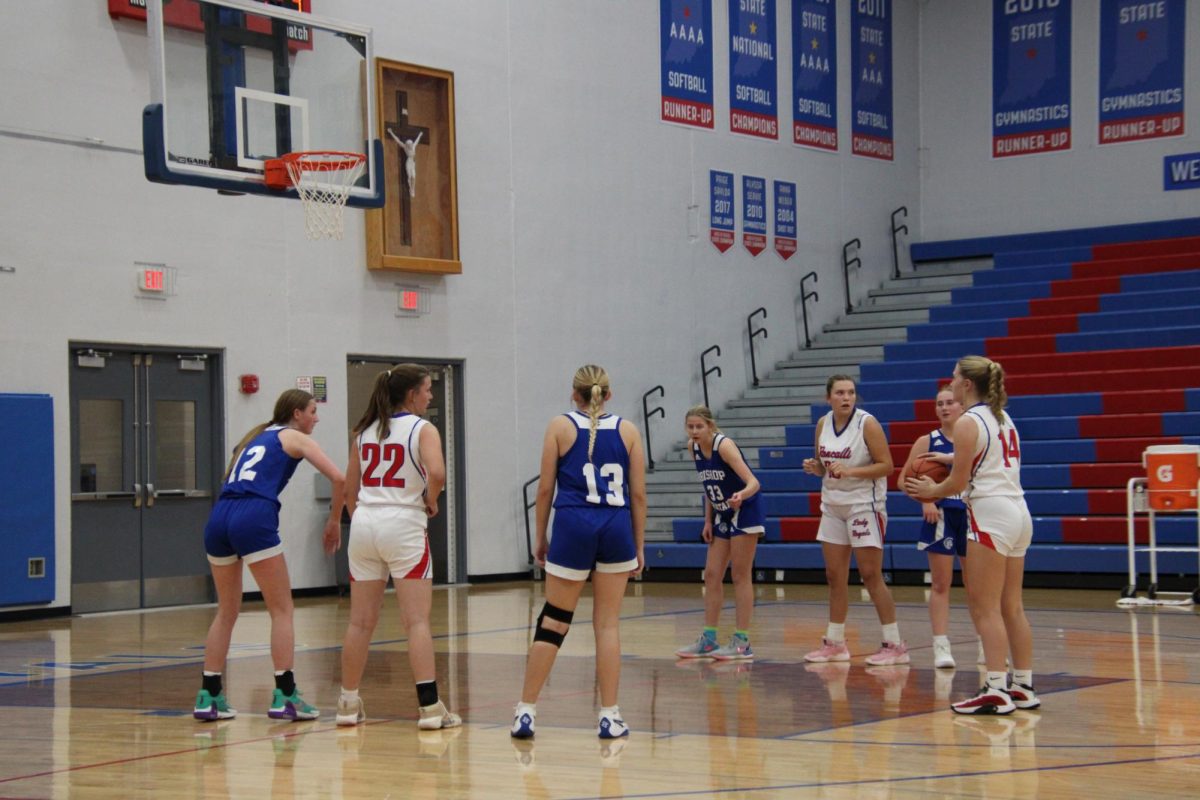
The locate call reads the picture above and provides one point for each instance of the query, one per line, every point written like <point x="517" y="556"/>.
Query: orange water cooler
<point x="1171" y="485"/>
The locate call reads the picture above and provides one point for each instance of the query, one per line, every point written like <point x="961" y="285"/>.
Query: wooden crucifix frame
<point x="417" y="229"/>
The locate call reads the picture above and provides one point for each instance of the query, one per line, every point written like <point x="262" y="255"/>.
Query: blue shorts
<point x="242" y="527"/>
<point x="746" y="520"/>
<point x="949" y="536"/>
<point x="591" y="538"/>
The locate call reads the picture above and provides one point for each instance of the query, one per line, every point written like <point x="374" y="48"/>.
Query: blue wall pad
<point x="26" y="497"/>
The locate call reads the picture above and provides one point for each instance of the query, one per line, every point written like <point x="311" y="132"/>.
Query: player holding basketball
<point x="853" y="460"/>
<point x="595" y="459"/>
<point x="733" y="521"/>
<point x="395" y="475"/>
<point x="944" y="532"/>
<point x="987" y="464"/>
<point x="244" y="527"/>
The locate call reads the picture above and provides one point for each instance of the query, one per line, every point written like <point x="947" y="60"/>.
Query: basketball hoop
<point x="323" y="179"/>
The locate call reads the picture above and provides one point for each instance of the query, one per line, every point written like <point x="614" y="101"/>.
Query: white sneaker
<point x="942" y="657"/>
<point x="523" y="722"/>
<point x="350" y="712"/>
<point x="612" y="726"/>
<point x="438" y="716"/>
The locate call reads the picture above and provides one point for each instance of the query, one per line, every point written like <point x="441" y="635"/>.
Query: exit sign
<point x="152" y="279"/>
<point x="411" y="300"/>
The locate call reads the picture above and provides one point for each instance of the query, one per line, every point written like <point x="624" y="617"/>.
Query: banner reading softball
<point x="752" y="79"/>
<point x="1141" y="69"/>
<point x="814" y="74"/>
<point x="785" y="219"/>
<point x="1031" y="76"/>
<point x="871" y="79"/>
<point x="754" y="214"/>
<point x="720" y="210"/>
<point x="686" y="56"/>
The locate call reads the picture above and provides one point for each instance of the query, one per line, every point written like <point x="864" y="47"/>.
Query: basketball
<point x="927" y="467"/>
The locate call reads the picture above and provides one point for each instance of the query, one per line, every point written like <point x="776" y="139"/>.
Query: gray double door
<point x="144" y="463"/>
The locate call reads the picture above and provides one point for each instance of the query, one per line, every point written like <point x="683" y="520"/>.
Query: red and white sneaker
<point x="990" y="700"/>
<point x="1023" y="696"/>
<point x="889" y="655"/>
<point x="828" y="651"/>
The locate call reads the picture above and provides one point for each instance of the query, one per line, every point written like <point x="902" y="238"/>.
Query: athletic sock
<point x="941" y="639"/>
<point x="427" y="693"/>
<point x="710" y="632"/>
<point x="744" y="634"/>
<point x="891" y="632"/>
<point x="836" y="632"/>
<point x="212" y="683"/>
<point x="1023" y="677"/>
<point x="997" y="680"/>
<point x="285" y="682"/>
<point x="349" y="695"/>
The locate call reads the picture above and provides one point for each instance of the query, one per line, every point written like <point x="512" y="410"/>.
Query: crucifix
<point x="408" y="137"/>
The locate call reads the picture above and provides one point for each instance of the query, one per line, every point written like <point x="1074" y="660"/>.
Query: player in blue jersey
<point x="733" y="523"/>
<point x="595" y="460"/>
<point x="944" y="532"/>
<point x="244" y="527"/>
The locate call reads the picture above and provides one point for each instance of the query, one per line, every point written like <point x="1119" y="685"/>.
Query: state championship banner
<point x="1031" y="76"/>
<point x="785" y="219"/>
<point x="754" y="214"/>
<point x="720" y="209"/>
<point x="753" y="106"/>
<point x="685" y="34"/>
<point x="871" y="79"/>
<point x="814" y="74"/>
<point x="1141" y="69"/>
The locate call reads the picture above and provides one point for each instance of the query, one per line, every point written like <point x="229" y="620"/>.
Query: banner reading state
<point x="1141" y="69"/>
<point x="871" y="79"/>
<point x="686" y="56"/>
<point x="1031" y="76"/>
<point x="753" y="106"/>
<point x="814" y="74"/>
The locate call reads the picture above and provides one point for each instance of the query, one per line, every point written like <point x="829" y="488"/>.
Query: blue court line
<point x="908" y="779"/>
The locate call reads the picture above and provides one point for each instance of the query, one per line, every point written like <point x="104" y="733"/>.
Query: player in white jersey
<point x="853" y="459"/>
<point x="987" y="469"/>
<point x="395" y="475"/>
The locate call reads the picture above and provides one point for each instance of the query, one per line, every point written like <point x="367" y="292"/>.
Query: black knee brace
<point x="559" y="615"/>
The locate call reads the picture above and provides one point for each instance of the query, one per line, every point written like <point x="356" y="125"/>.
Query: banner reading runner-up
<point x="814" y="74"/>
<point x="1031" y="76"/>
<point x="753" y="106"/>
<point x="686" y="58"/>
<point x="1141" y="69"/>
<point x="871" y="79"/>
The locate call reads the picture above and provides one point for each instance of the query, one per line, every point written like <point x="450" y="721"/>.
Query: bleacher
<point x="1099" y="335"/>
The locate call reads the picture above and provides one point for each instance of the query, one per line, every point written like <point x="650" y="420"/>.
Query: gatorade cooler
<point x="1172" y="472"/>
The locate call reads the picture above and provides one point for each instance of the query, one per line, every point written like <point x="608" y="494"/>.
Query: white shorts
<point x="389" y="540"/>
<point x="1002" y="524"/>
<point x="858" y="526"/>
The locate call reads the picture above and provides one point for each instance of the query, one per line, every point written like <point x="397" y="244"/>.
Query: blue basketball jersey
<point x="601" y="481"/>
<point x="940" y="444"/>
<point x="262" y="468"/>
<point x="720" y="483"/>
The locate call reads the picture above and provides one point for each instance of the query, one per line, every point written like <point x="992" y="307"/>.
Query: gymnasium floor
<point x="99" y="706"/>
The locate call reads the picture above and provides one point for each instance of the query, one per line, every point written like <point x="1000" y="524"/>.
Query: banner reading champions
<point x="871" y="79"/>
<point x="1141" y="69"/>
<point x="1031" y="76"/>
<point x="686" y="54"/>
<point x="814" y="74"/>
<point x="753" y="106"/>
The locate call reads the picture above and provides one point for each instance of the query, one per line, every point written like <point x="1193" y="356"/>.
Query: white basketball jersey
<point x="392" y="473"/>
<point x="848" y="448"/>
<point x="996" y="465"/>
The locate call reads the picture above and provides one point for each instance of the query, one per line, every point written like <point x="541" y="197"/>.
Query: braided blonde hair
<point x="987" y="377"/>
<point x="591" y="385"/>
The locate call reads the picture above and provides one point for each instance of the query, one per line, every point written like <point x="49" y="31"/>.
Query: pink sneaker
<point x="829" y="651"/>
<point x="889" y="655"/>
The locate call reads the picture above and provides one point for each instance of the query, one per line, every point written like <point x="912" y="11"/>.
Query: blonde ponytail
<point x="591" y="385"/>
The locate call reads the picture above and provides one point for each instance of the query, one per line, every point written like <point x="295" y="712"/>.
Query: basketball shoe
<point x="1023" y="696"/>
<point x="611" y="725"/>
<point x="291" y="707"/>
<point x="209" y="708"/>
<point x="350" y="712"/>
<point x="438" y="716"/>
<point x="704" y="647"/>
<point x="828" y="651"/>
<point x="989" y="700"/>
<point x="738" y="649"/>
<point x="889" y="655"/>
<point x="523" y="722"/>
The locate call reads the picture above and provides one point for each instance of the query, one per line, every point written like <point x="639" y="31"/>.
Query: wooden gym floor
<point x="99" y="706"/>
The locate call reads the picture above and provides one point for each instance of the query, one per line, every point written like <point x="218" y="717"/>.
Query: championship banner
<point x="871" y="79"/>
<point x="753" y="107"/>
<point x="785" y="219"/>
<point x="754" y="214"/>
<point x="685" y="34"/>
<point x="720" y="209"/>
<point x="1141" y="69"/>
<point x="814" y="74"/>
<point x="1031" y="76"/>
<point x="1181" y="172"/>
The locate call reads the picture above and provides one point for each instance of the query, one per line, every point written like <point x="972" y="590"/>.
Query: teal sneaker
<point x="209" y="708"/>
<point x="738" y="649"/>
<point x="291" y="707"/>
<point x="704" y="647"/>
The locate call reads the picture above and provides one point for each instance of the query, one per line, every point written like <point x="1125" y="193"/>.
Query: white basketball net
<point x="323" y="181"/>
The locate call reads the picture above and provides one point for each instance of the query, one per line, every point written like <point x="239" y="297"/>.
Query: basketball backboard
<point x="237" y="82"/>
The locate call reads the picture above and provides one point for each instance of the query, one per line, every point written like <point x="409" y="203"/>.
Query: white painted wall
<point x="964" y="192"/>
<point x="576" y="236"/>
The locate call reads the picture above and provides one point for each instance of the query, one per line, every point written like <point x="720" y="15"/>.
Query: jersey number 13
<point x="614" y="474"/>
